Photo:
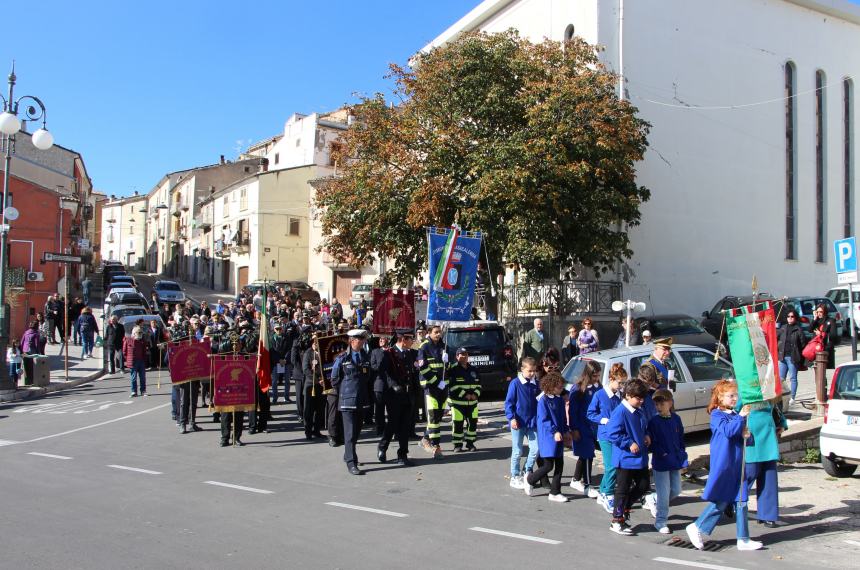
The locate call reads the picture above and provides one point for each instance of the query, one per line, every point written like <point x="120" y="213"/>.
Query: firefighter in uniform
<point x="395" y="371"/>
<point x="432" y="359"/>
<point x="464" y="389"/>
<point x="350" y="375"/>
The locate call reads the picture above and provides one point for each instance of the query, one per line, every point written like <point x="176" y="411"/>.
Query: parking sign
<point x="846" y="260"/>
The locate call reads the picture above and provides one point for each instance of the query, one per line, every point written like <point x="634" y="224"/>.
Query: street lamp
<point x="631" y="306"/>
<point x="10" y="124"/>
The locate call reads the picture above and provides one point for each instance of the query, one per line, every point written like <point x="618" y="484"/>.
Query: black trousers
<point x="112" y="359"/>
<point x="543" y="470"/>
<point x="204" y="391"/>
<point x="630" y="486"/>
<point x="398" y="408"/>
<point x="379" y="411"/>
<point x="300" y="397"/>
<point x="334" y="419"/>
<point x="28" y="371"/>
<point x="227" y="424"/>
<point x="351" y="430"/>
<point x="188" y="402"/>
<point x="582" y="471"/>
<point x="259" y="417"/>
<point x="313" y="414"/>
<point x="419" y="409"/>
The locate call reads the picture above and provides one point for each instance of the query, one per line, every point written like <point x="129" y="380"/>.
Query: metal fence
<point x="561" y="298"/>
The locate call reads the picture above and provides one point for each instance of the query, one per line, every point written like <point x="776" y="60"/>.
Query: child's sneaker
<point x="558" y="498"/>
<point x="592" y="492"/>
<point x="621" y="528"/>
<point x="517" y="482"/>
<point x="651" y="504"/>
<point x="749" y="544"/>
<point x="695" y="536"/>
<point x="608" y="504"/>
<point x="527" y="487"/>
<point x="577" y="485"/>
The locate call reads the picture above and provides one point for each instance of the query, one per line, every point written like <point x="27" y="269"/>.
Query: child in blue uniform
<point x="627" y="430"/>
<point x="521" y="411"/>
<point x="668" y="456"/>
<point x="723" y="487"/>
<point x="581" y="429"/>
<point x="552" y="430"/>
<point x="601" y="407"/>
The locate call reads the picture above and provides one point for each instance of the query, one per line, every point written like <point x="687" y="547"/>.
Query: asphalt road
<point x="93" y="479"/>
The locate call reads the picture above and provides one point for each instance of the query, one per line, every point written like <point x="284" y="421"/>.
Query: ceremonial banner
<point x="752" y="343"/>
<point x="393" y="310"/>
<point x="189" y="361"/>
<point x="235" y="388"/>
<point x="264" y="363"/>
<point x="330" y="347"/>
<point x="453" y="270"/>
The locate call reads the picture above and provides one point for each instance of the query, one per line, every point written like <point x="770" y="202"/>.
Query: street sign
<point x="846" y="260"/>
<point x="83" y="243"/>
<point x="62" y="258"/>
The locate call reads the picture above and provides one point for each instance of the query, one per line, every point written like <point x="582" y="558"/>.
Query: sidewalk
<point x="80" y="371"/>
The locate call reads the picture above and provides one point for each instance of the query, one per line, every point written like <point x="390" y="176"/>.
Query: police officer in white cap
<point x="350" y="376"/>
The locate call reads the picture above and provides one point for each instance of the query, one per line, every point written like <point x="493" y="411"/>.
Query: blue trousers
<point x="709" y="518"/>
<point x="763" y="475"/>
<point x="787" y="367"/>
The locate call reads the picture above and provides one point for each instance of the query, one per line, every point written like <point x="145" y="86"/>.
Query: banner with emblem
<point x="752" y="343"/>
<point x="189" y="361"/>
<point x="393" y="310"/>
<point x="329" y="348"/>
<point x="235" y="382"/>
<point x="453" y="264"/>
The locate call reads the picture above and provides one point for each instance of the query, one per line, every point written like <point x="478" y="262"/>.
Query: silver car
<point x="168" y="292"/>
<point x="692" y="369"/>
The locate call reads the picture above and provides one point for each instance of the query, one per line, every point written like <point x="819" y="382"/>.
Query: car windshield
<point x="847" y="383"/>
<point x="129" y="299"/>
<point x="119" y="313"/>
<point x="476" y="339"/>
<point x="675" y="326"/>
<point x="574" y="368"/>
<point x="168" y="287"/>
<point x="361" y="288"/>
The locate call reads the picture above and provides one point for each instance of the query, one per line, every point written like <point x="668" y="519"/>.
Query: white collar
<point x="608" y="390"/>
<point x="550" y="395"/>
<point x="629" y="406"/>
<point x="730" y="412"/>
<point x="524" y="380"/>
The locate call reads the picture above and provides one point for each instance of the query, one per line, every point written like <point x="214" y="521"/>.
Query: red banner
<point x="329" y="348"/>
<point x="235" y="387"/>
<point x="393" y="310"/>
<point x="189" y="361"/>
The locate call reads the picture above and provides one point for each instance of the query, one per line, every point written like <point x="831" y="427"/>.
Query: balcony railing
<point x="560" y="298"/>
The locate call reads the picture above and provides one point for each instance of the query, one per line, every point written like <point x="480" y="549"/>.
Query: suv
<point x="168" y="292"/>
<point x="252" y="289"/>
<point x="490" y="352"/>
<point x="840" y="434"/>
<point x="302" y="289"/>
<point x="683" y="329"/>
<point x="359" y="291"/>
<point x="839" y="297"/>
<point x="805" y="307"/>
<point x="712" y="321"/>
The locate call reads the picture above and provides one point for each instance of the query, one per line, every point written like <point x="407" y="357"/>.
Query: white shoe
<point x="695" y="536"/>
<point x="527" y="487"/>
<point x="558" y="498"/>
<point x="663" y="529"/>
<point x="791" y="402"/>
<point x="592" y="492"/>
<point x="651" y="504"/>
<point x="749" y="544"/>
<point x="517" y="482"/>
<point x="577" y="485"/>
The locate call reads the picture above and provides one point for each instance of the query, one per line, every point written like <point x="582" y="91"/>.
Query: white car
<point x="694" y="372"/>
<point x="840" y="434"/>
<point x="850" y="311"/>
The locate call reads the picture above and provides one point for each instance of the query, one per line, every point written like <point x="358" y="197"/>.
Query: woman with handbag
<point x="824" y="326"/>
<point x="790" y="343"/>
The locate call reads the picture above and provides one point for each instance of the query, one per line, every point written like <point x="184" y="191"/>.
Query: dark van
<point x="490" y="352"/>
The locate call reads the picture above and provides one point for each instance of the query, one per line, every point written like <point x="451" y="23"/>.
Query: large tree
<point x="527" y="143"/>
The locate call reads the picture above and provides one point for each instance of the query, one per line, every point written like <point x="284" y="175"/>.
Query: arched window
<point x="848" y="153"/>
<point x="820" y="149"/>
<point x="790" y="162"/>
<point x="568" y="33"/>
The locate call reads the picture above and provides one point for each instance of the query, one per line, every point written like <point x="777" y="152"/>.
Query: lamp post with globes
<point x="32" y="109"/>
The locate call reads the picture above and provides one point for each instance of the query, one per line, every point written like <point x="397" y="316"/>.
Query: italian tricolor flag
<point x="752" y="342"/>
<point x="446" y="263"/>
<point x="264" y="363"/>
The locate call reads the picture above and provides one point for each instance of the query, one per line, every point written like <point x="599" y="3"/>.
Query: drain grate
<point x="709" y="546"/>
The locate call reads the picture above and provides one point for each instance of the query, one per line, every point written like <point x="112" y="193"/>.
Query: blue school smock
<point x="624" y="428"/>
<point x="551" y="419"/>
<point x="763" y="444"/>
<point x="649" y="408"/>
<point x="668" y="452"/>
<point x="724" y="479"/>
<point x="602" y="405"/>
<point x="521" y="402"/>
<point x="577" y="419"/>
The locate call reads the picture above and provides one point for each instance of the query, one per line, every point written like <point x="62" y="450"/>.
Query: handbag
<point x="814" y="346"/>
<point x="99" y="341"/>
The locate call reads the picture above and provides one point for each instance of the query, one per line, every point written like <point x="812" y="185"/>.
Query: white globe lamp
<point x="9" y="123"/>
<point x="43" y="139"/>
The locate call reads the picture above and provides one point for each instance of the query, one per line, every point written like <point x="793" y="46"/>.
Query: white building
<point x="123" y="235"/>
<point x="751" y="152"/>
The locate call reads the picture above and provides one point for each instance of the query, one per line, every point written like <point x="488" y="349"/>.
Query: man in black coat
<point x="114" y="333"/>
<point x="395" y="371"/>
<point x="377" y="355"/>
<point x="313" y="414"/>
<point x="280" y="351"/>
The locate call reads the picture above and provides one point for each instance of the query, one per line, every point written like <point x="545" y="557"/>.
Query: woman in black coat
<point x="825" y="324"/>
<point x="790" y="342"/>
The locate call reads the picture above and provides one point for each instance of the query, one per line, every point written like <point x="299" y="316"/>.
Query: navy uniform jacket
<point x="351" y="380"/>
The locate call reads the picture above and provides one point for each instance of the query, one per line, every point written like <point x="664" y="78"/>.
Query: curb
<point x="35" y="393"/>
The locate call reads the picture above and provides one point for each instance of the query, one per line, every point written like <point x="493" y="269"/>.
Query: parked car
<point x="121" y="288"/>
<point x="712" y="321"/>
<point x="683" y="329"/>
<point x="129" y="322"/>
<point x="168" y="292"/>
<point x="850" y="311"/>
<point x="120" y="311"/>
<point x="361" y="291"/>
<point x="805" y="307"/>
<point x="840" y="433"/>
<point x="125" y="298"/>
<point x="490" y="352"/>
<point x="120" y="278"/>
<point x="304" y="290"/>
<point x="693" y="372"/>
<point x="251" y="289"/>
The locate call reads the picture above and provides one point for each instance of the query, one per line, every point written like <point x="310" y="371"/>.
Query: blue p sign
<point x="846" y="255"/>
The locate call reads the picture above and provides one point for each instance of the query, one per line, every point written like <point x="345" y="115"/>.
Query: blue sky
<point x="141" y="89"/>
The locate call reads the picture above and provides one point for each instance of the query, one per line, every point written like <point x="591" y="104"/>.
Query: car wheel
<point x="837" y="469"/>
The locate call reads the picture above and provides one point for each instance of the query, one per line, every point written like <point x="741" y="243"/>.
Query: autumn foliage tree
<point x="527" y="143"/>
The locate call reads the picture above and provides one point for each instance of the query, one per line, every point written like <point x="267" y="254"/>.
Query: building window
<point x="242" y="237"/>
<point x="294" y="226"/>
<point x="848" y="150"/>
<point x="790" y="162"/>
<point x="277" y="157"/>
<point x="820" y="137"/>
<point x="568" y="33"/>
<point x="8" y="199"/>
<point x="243" y="198"/>
<point x="225" y="207"/>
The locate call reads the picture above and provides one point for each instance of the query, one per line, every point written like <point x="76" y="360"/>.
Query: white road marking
<point x="53" y="407"/>
<point x="239" y="487"/>
<point x="49" y="455"/>
<point x="367" y="510"/>
<point x="694" y="564"/>
<point x="852" y="542"/>
<point x="98" y="424"/>
<point x="7" y="442"/>
<point x="136" y="469"/>
<point x="515" y="535"/>
<point x="105" y="406"/>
